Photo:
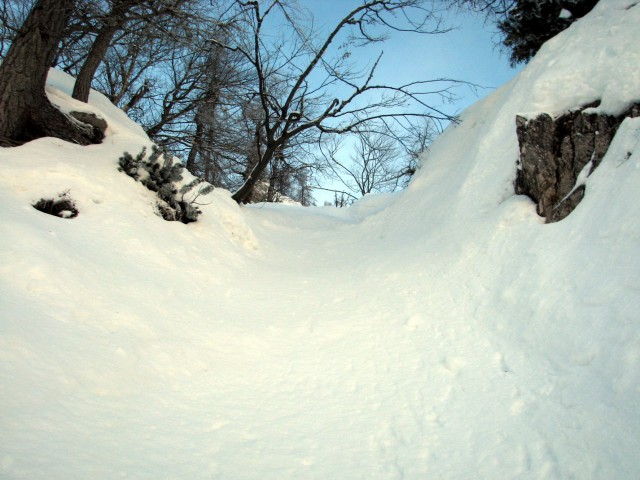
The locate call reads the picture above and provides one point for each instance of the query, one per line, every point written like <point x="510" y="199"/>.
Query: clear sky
<point x="467" y="52"/>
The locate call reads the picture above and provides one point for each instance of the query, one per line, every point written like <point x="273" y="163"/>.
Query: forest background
<point x="280" y="100"/>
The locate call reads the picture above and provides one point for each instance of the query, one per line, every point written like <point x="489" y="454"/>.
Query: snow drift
<point x="444" y="332"/>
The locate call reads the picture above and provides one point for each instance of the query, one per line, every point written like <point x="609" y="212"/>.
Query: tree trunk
<point x="26" y="111"/>
<point x="243" y="194"/>
<point x="112" y="23"/>
<point x="82" y="87"/>
<point x="273" y="179"/>
<point x="23" y="72"/>
<point x="195" y="144"/>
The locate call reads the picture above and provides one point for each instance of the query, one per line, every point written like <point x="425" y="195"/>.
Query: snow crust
<point x="444" y="332"/>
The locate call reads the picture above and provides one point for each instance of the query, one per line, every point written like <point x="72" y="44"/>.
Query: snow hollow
<point x="444" y="332"/>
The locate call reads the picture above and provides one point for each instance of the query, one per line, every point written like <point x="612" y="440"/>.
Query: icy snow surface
<point x="442" y="333"/>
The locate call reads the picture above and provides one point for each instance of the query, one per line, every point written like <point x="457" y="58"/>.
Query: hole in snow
<point x="63" y="206"/>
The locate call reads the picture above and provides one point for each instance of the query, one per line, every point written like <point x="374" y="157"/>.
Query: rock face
<point x="96" y="126"/>
<point x="554" y="152"/>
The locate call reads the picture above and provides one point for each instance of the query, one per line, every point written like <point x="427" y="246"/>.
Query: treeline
<point x="161" y="61"/>
<point x="250" y="93"/>
<point x="247" y="92"/>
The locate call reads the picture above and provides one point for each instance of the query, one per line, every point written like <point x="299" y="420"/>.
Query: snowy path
<point x="443" y="333"/>
<point x="329" y="347"/>
<point x="335" y="346"/>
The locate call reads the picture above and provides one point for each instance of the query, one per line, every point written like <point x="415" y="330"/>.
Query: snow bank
<point x="444" y="332"/>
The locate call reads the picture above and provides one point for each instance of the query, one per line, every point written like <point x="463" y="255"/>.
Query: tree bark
<point x="82" y="87"/>
<point x="23" y="72"/>
<point x="196" y="144"/>
<point x="26" y="112"/>
<point x="243" y="194"/>
<point x="112" y="23"/>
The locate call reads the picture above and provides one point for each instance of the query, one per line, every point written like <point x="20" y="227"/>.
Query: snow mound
<point x="444" y="332"/>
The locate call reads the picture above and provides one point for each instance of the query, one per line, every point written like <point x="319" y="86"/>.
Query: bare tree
<point x="246" y="91"/>
<point x="491" y="9"/>
<point x="12" y="16"/>
<point x="306" y="86"/>
<point x="90" y="29"/>
<point x="216" y="149"/>
<point x="371" y="167"/>
<point x="111" y="23"/>
<point x="122" y="12"/>
<point x="382" y="160"/>
<point x="414" y="144"/>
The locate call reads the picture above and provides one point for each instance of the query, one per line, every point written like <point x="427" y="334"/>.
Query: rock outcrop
<point x="554" y="152"/>
<point x="96" y="126"/>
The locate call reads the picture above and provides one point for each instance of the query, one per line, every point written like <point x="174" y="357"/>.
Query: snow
<point x="443" y="332"/>
<point x="564" y="13"/>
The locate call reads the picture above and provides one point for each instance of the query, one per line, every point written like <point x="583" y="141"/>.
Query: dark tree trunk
<point x="196" y="145"/>
<point x="243" y="194"/>
<point x="26" y="112"/>
<point x="23" y="72"/>
<point x="112" y="23"/>
<point x="278" y="179"/>
<point x="273" y="180"/>
<point x="82" y="87"/>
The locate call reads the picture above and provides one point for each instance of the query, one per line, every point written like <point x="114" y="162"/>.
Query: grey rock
<point x="98" y="125"/>
<point x="553" y="152"/>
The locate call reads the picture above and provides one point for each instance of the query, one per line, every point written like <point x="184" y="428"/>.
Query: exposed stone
<point x="98" y="125"/>
<point x="553" y="153"/>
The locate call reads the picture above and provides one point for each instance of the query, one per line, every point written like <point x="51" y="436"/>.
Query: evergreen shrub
<point x="160" y="174"/>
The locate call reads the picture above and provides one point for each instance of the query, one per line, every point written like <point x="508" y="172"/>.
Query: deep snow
<point x="444" y="332"/>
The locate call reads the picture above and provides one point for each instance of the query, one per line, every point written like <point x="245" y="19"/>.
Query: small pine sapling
<point x="160" y="174"/>
<point x="130" y="165"/>
<point x="189" y="207"/>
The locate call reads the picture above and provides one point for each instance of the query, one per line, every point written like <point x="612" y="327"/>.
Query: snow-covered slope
<point x="444" y="332"/>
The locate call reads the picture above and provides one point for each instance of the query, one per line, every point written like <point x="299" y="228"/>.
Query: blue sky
<point x="467" y="52"/>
